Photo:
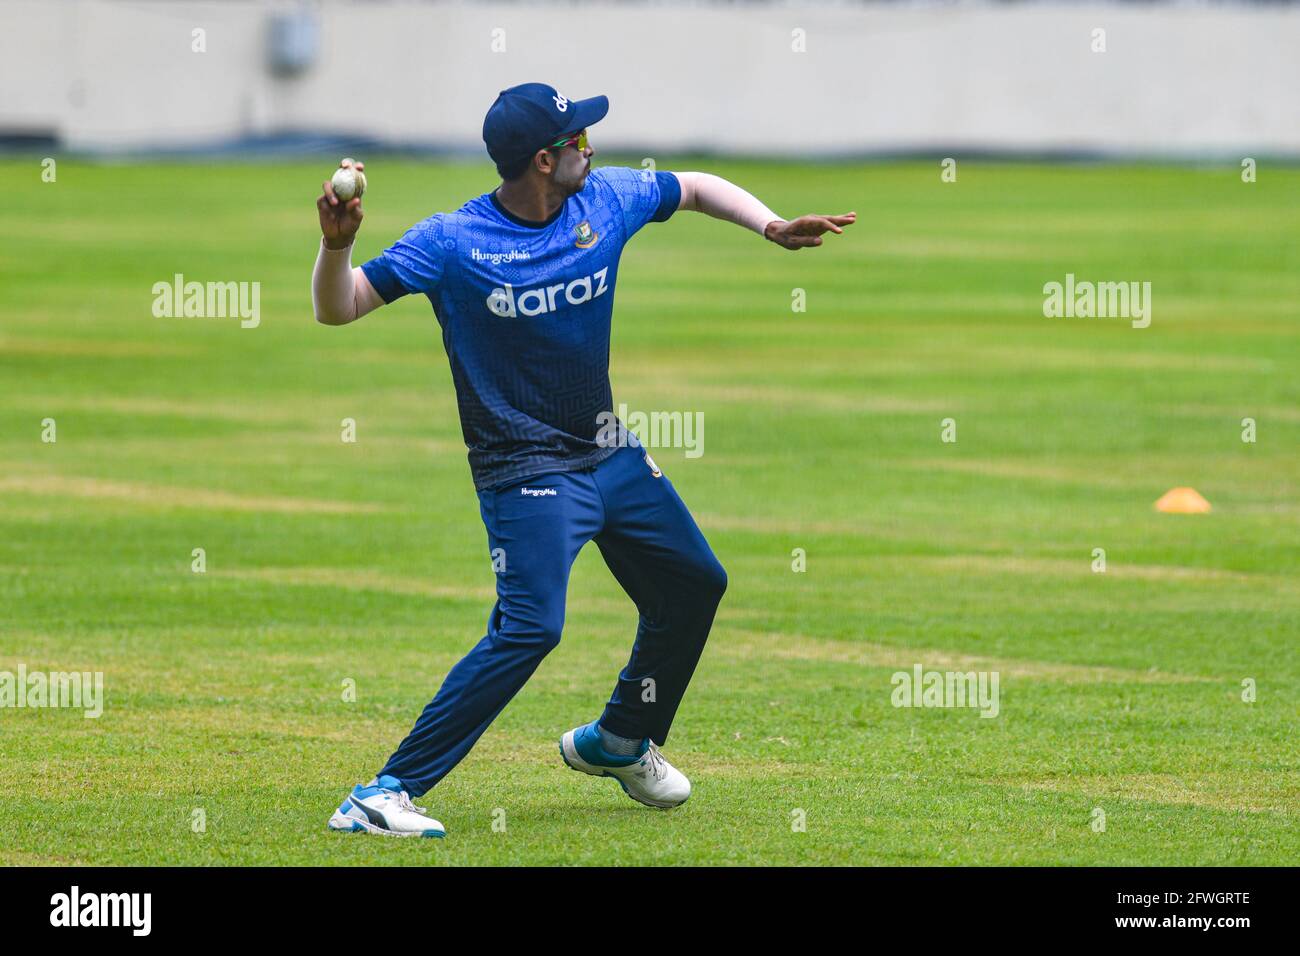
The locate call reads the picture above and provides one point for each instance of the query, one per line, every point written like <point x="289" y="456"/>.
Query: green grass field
<point x="330" y="562"/>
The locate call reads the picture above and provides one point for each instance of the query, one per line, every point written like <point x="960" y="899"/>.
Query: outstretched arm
<point x="716" y="197"/>
<point x="340" y="293"/>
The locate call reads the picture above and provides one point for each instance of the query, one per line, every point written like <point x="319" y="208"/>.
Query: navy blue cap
<point x="532" y="116"/>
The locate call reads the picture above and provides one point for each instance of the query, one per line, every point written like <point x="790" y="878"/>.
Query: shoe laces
<point x="654" y="762"/>
<point x="404" y="801"/>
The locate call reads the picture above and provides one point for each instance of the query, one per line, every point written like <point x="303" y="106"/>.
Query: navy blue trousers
<point x="535" y="529"/>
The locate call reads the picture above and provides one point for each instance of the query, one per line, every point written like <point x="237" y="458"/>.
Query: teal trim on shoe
<point x="586" y="740"/>
<point x="391" y="784"/>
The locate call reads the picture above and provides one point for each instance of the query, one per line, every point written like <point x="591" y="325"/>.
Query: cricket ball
<point x="348" y="182"/>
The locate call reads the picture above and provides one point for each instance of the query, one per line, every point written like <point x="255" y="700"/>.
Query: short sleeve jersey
<point x="525" y="310"/>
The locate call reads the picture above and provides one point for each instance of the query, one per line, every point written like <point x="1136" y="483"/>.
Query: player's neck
<point x="530" y="200"/>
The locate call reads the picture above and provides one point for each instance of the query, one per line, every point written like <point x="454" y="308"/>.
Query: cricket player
<point x="522" y="281"/>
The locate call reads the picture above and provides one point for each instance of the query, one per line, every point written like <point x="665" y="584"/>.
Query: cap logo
<point x="561" y="102"/>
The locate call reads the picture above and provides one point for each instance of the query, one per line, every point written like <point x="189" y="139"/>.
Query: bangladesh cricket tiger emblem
<point x="586" y="235"/>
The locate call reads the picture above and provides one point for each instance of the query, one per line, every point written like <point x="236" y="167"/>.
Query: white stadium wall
<point x="1174" y="80"/>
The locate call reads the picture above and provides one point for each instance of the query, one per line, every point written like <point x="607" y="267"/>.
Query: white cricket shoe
<point x="383" y="807"/>
<point x="647" y="778"/>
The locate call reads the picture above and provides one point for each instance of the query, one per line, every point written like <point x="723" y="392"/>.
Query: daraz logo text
<point x="539" y="301"/>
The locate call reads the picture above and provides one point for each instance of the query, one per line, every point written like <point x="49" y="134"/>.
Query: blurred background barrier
<point x="1160" y="80"/>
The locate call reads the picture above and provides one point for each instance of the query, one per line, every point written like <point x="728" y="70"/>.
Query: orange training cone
<point x="1182" y="501"/>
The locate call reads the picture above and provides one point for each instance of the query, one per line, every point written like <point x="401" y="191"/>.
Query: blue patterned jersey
<point x="525" y="312"/>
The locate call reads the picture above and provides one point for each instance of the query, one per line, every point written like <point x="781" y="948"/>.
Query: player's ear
<point x="544" y="162"/>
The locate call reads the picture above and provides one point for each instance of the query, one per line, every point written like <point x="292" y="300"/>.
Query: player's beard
<point x="574" y="184"/>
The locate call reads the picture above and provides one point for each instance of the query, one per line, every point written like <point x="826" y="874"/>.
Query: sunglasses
<point x="579" y="140"/>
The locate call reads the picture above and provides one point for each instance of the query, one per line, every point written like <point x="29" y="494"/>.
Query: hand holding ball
<point x="348" y="182"/>
<point x="340" y="216"/>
